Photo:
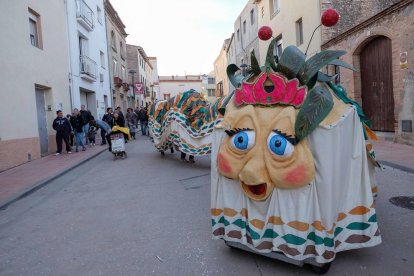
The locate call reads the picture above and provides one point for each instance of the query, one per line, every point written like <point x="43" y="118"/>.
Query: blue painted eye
<point x="279" y="146"/>
<point x="244" y="140"/>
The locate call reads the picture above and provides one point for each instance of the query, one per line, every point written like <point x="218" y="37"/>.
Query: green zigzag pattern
<point x="293" y="239"/>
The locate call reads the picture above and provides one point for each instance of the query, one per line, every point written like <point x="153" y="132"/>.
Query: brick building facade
<point x="378" y="36"/>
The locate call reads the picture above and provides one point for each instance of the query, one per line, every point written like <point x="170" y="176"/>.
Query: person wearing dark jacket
<point x="118" y="121"/>
<point x="143" y="118"/>
<point x="63" y="129"/>
<point x="109" y="119"/>
<point x="77" y="124"/>
<point x="87" y="117"/>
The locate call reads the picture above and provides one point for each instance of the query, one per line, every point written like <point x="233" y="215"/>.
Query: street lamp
<point x="132" y="73"/>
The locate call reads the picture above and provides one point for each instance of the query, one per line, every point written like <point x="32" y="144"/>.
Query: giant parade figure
<point x="292" y="174"/>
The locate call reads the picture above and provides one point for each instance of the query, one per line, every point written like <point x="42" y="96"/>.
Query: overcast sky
<point x="185" y="35"/>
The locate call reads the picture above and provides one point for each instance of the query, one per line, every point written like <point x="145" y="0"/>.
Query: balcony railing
<point x="84" y="14"/>
<point x="88" y="67"/>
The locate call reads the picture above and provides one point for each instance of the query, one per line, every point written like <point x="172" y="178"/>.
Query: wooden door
<point x="377" y="86"/>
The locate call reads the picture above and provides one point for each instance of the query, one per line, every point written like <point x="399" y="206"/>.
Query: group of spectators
<point x="81" y="127"/>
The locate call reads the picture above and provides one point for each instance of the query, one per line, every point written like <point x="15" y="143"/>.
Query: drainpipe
<point x="108" y="49"/>
<point x="70" y="75"/>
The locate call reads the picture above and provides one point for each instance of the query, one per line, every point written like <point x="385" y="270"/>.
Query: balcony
<point x="84" y="15"/>
<point x="88" y="68"/>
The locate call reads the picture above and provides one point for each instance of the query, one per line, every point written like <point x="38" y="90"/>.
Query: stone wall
<point x="397" y="25"/>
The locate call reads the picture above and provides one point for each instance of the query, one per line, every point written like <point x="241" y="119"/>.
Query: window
<point x="244" y="26"/>
<point x="238" y="35"/>
<point x="278" y="47"/>
<point x="121" y="49"/>
<point x="274" y="6"/>
<point x="83" y="46"/>
<point x="299" y="32"/>
<point x="34" y="28"/>
<point x="99" y="14"/>
<point x="115" y="67"/>
<point x="252" y="16"/>
<point x="123" y="73"/>
<point x="113" y="41"/>
<point x="102" y="60"/>
<point x="211" y="92"/>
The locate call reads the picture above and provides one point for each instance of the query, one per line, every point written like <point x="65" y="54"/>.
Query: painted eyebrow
<point x="292" y="139"/>
<point x="234" y="131"/>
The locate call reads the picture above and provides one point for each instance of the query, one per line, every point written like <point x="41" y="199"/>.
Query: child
<point x="92" y="133"/>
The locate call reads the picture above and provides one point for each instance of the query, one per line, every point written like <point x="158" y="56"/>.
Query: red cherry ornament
<point x="330" y="17"/>
<point x="265" y="33"/>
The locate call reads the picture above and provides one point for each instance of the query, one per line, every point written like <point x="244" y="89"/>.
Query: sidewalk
<point x="395" y="155"/>
<point x="20" y="181"/>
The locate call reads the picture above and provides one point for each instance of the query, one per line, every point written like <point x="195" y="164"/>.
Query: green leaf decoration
<point x="373" y="218"/>
<point x="322" y="77"/>
<point x="358" y="226"/>
<point x="313" y="237"/>
<point x="240" y="223"/>
<point x="328" y="242"/>
<point x="318" y="103"/>
<point x="270" y="57"/>
<point x="292" y="239"/>
<point x="311" y="84"/>
<point x="222" y="109"/>
<point x="255" y="64"/>
<point x="338" y="230"/>
<point x="291" y="62"/>
<point x="252" y="233"/>
<point x="231" y="73"/>
<point x="343" y="64"/>
<point x="315" y="63"/>
<point x="269" y="233"/>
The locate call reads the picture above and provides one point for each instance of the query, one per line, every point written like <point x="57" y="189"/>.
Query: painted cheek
<point x="223" y="164"/>
<point x="297" y="176"/>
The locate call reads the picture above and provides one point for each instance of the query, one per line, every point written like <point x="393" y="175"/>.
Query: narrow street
<point x="150" y="215"/>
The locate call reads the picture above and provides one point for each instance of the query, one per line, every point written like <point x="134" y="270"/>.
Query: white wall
<point x="174" y="88"/>
<point x="97" y="42"/>
<point x="24" y="65"/>
<point x="249" y="40"/>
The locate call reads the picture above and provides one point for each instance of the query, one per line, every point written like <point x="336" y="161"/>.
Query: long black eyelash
<point x="292" y="139"/>
<point x="234" y="131"/>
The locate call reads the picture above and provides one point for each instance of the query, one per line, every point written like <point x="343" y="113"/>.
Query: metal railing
<point x="88" y="66"/>
<point x="85" y="12"/>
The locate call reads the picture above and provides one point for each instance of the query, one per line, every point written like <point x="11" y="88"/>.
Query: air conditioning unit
<point x="101" y="77"/>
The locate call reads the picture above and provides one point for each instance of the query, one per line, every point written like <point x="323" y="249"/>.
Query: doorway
<point x="88" y="98"/>
<point x="377" y="84"/>
<point x="42" y="121"/>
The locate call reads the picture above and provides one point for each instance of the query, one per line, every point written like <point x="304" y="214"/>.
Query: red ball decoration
<point x="330" y="17"/>
<point x="265" y="33"/>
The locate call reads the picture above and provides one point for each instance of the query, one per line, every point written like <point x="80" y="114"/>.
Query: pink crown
<point x="284" y="92"/>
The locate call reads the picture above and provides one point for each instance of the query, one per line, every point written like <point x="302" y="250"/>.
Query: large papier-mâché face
<point x="259" y="150"/>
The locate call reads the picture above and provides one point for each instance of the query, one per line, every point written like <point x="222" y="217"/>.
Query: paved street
<point x="150" y="215"/>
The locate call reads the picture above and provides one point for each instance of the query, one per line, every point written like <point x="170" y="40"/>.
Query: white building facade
<point x="35" y="83"/>
<point x="89" y="73"/>
<point x="171" y="86"/>
<point x="155" y="85"/>
<point x="245" y="34"/>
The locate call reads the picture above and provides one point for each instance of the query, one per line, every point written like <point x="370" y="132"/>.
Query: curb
<point x="40" y="184"/>
<point x="396" y="166"/>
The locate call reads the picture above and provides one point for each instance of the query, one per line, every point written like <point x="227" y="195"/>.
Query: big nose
<point x="254" y="172"/>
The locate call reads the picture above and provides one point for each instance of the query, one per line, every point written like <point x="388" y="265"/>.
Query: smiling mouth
<point x="257" y="192"/>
